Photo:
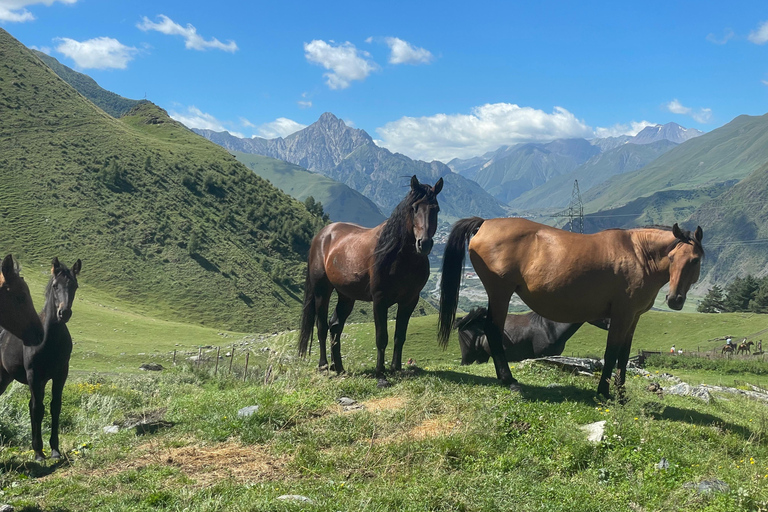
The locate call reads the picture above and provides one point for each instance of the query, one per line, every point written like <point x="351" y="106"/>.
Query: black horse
<point x="35" y="365"/>
<point x="525" y="336"/>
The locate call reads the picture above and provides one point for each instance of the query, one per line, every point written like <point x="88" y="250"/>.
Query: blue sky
<point x="428" y="79"/>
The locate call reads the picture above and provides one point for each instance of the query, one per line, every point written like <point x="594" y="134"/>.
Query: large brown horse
<point x="385" y="265"/>
<point x="17" y="313"/>
<point x="569" y="277"/>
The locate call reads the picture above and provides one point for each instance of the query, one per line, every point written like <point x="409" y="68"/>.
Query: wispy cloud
<point x="727" y="36"/>
<point x="632" y="128"/>
<point x="344" y="61"/>
<point x="446" y="136"/>
<point x="403" y="52"/>
<point x="192" y="40"/>
<point x="700" y="115"/>
<point x="280" y="127"/>
<point x="15" y="11"/>
<point x="193" y="117"/>
<point x="97" y="53"/>
<point x="305" y="102"/>
<point x="760" y="34"/>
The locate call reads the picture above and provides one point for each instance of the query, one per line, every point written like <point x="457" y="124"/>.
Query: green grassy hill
<point x="111" y="103"/>
<point x="160" y="217"/>
<point x="340" y="202"/>
<point x="727" y="153"/>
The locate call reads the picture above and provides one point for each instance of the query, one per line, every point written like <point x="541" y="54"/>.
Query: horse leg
<point x="404" y="312"/>
<point x="382" y="338"/>
<point x="617" y="335"/>
<point x="340" y="315"/>
<point x="623" y="359"/>
<point x="498" y="303"/>
<point x="5" y="379"/>
<point x="56" y="392"/>
<point x="322" y="298"/>
<point x="36" y="411"/>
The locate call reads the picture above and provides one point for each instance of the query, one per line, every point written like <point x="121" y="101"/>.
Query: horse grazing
<point x="745" y="347"/>
<point x="385" y="265"/>
<point x="36" y="364"/>
<point x="569" y="277"/>
<point x="17" y="313"/>
<point x="526" y="336"/>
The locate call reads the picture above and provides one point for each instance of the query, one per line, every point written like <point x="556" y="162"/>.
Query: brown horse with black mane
<point x="385" y="265"/>
<point x="17" y="313"/>
<point x="569" y="277"/>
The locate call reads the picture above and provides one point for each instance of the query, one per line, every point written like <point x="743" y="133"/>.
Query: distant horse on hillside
<point x="385" y="265"/>
<point x="17" y="313"/>
<point x="569" y="277"/>
<point x="745" y="347"/>
<point x="525" y="336"/>
<point x="728" y="349"/>
<point x="36" y="364"/>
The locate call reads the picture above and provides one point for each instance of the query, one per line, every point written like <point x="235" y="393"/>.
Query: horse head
<point x="62" y="288"/>
<point x="425" y="209"/>
<point x="685" y="257"/>
<point x="16" y="308"/>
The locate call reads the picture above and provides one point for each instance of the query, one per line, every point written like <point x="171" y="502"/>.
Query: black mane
<point x="395" y="232"/>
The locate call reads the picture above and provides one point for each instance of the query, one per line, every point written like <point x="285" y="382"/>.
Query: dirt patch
<point x="390" y="403"/>
<point x="206" y="465"/>
<point x="434" y="427"/>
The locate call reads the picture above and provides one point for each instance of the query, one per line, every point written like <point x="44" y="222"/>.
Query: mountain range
<point x="349" y="156"/>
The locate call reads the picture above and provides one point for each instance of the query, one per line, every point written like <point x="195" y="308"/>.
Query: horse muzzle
<point x="64" y="315"/>
<point x="675" y="302"/>
<point x="424" y="246"/>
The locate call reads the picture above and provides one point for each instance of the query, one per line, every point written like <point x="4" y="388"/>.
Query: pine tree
<point x="712" y="302"/>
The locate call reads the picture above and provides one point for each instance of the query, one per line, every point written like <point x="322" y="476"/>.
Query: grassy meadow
<point x="442" y="437"/>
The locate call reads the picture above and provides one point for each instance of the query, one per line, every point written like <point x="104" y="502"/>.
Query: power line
<point x="575" y="211"/>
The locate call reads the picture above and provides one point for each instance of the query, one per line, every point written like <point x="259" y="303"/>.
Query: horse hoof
<point x="55" y="455"/>
<point x="383" y="383"/>
<point x="39" y="457"/>
<point x="515" y="387"/>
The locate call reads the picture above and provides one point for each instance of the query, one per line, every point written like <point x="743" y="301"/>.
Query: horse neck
<point x="48" y="313"/>
<point x="558" y="332"/>
<point x="652" y="246"/>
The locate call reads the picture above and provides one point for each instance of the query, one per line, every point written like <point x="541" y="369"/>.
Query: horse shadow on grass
<point x="671" y="413"/>
<point x="31" y="469"/>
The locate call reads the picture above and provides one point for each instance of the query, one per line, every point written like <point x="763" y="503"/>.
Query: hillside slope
<point x="111" y="103"/>
<point x="160" y="217"/>
<point x="340" y="202"/>
<point x="730" y="152"/>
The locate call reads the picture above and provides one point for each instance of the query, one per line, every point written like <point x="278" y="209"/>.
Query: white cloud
<point x="304" y="104"/>
<point x="619" y="129"/>
<point x="247" y="123"/>
<point x="97" y="53"/>
<point x="192" y="40"/>
<point x="196" y="118"/>
<point x="445" y="136"/>
<point x="45" y="49"/>
<point x="727" y="36"/>
<point x="15" y="12"/>
<point x="759" y="35"/>
<point x="280" y="127"/>
<point x="403" y="52"/>
<point x="344" y="62"/>
<point x="701" y="115"/>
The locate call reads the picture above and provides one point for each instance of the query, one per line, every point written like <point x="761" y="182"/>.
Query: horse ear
<point x="414" y="182"/>
<point x="55" y="266"/>
<point x="699" y="234"/>
<point x="8" y="268"/>
<point x="677" y="232"/>
<point x="77" y="266"/>
<point x="438" y="186"/>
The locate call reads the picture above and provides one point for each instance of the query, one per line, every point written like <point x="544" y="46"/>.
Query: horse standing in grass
<point x="17" y="313"/>
<point x="36" y="364"/>
<point x="569" y="277"/>
<point x="526" y="336"/>
<point x="385" y="265"/>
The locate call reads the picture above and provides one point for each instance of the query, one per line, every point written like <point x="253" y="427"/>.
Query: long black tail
<point x="307" y="316"/>
<point x="453" y="263"/>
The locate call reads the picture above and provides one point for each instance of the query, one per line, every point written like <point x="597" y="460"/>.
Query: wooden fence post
<point x="218" y="351"/>
<point x="174" y="357"/>
<point x="232" y="358"/>
<point x="199" y="355"/>
<point x="245" y="373"/>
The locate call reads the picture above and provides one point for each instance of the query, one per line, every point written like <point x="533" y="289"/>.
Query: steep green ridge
<point x="735" y="231"/>
<point x="556" y="193"/>
<point x="160" y="217"/>
<point x="730" y="152"/>
<point x="340" y="202"/>
<point x="111" y="103"/>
